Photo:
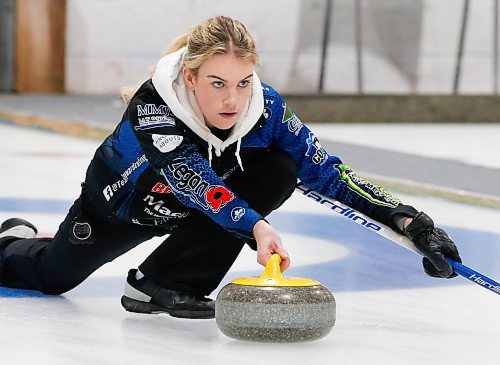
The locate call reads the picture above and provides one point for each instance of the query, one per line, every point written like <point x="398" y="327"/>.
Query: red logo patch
<point x="161" y="188"/>
<point x="217" y="197"/>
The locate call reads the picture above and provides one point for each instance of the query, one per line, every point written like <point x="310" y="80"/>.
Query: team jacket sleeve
<point x="187" y="172"/>
<point x="328" y="175"/>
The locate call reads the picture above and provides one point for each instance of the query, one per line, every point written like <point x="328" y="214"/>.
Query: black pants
<point x="194" y="258"/>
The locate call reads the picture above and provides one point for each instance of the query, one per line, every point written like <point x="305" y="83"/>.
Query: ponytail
<point x="177" y="44"/>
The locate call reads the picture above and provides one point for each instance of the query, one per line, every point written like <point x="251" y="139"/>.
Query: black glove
<point x="434" y="244"/>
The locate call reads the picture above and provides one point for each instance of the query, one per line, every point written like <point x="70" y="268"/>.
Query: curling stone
<point x="273" y="308"/>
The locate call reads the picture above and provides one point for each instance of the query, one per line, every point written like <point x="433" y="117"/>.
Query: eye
<point x="244" y="83"/>
<point x="218" y="84"/>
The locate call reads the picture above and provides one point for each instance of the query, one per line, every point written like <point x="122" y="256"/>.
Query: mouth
<point x="228" y="114"/>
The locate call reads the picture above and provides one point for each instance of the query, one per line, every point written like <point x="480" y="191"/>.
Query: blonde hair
<point x="217" y="35"/>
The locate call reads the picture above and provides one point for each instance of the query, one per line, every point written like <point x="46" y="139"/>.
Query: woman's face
<point x="222" y="88"/>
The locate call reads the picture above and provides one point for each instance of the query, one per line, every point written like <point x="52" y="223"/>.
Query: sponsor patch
<point x="154" y="116"/>
<point x="267" y="113"/>
<point x="152" y="221"/>
<point x="82" y="230"/>
<point x="110" y="189"/>
<point x="161" y="188"/>
<point x="159" y="210"/>
<point x="315" y="151"/>
<point x="229" y="173"/>
<point x="191" y="184"/>
<point x="155" y="122"/>
<point x="373" y="193"/>
<point x="153" y="109"/>
<point x="166" y="143"/>
<point x="237" y="213"/>
<point x="293" y="122"/>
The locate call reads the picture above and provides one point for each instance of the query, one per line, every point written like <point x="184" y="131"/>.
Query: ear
<point x="189" y="78"/>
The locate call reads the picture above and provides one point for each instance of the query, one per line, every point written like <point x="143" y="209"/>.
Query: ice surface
<point x="388" y="311"/>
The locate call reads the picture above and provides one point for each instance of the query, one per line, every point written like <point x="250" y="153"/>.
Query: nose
<point x="230" y="99"/>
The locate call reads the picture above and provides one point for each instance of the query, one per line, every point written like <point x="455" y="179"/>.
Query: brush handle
<point x="384" y="231"/>
<point x="475" y="277"/>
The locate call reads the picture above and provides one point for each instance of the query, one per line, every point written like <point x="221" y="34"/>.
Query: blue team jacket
<point x="153" y="169"/>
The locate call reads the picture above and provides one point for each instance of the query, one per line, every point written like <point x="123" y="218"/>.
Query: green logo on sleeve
<point x="375" y="194"/>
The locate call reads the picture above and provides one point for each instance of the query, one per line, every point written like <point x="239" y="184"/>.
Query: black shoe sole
<point x="14" y="222"/>
<point x="137" y="306"/>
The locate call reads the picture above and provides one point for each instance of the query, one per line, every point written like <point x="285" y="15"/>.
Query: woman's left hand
<point x="434" y="244"/>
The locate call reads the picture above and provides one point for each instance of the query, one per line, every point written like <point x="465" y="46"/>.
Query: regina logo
<point x="191" y="183"/>
<point x="237" y="213"/>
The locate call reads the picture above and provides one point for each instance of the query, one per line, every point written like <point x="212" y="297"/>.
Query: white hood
<point x="169" y="83"/>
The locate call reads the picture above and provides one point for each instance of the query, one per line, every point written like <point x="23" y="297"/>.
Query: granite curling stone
<point x="273" y="308"/>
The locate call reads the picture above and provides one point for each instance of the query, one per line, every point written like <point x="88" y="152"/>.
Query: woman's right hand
<point x="268" y="243"/>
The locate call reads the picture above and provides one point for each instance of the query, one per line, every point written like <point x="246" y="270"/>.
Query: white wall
<point x="112" y="43"/>
<point x="440" y="45"/>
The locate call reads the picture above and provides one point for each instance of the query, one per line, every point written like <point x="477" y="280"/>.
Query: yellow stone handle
<point x="273" y="269"/>
<point x="272" y="276"/>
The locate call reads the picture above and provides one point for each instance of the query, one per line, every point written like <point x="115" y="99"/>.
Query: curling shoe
<point x="17" y="227"/>
<point x="143" y="296"/>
